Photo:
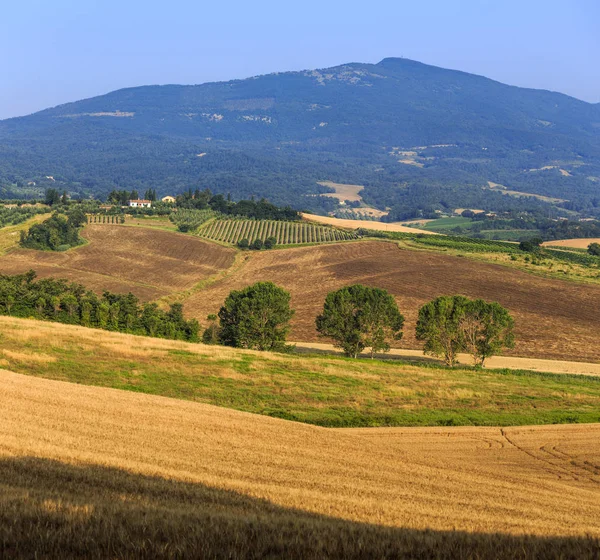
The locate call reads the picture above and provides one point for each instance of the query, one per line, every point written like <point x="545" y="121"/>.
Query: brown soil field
<point x="554" y="319"/>
<point x="94" y="472"/>
<point x="148" y="262"/>
<point x="356" y="224"/>
<point x="575" y="243"/>
<point x="343" y="191"/>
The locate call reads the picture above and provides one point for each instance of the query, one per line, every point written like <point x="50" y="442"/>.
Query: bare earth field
<point x="96" y="472"/>
<point x="356" y="224"/>
<point x="554" y="319"/>
<point x="148" y="262"/>
<point x="575" y="243"/>
<point x="343" y="191"/>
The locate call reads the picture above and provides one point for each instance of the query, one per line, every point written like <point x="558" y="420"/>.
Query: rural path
<point x="497" y="362"/>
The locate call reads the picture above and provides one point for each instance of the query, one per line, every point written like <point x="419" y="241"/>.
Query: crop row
<point x="285" y="233"/>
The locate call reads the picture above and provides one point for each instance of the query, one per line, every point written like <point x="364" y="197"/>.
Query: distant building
<point x="168" y="199"/>
<point x="140" y="203"/>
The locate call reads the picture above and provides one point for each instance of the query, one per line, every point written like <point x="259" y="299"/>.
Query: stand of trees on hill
<point x="256" y="317"/>
<point x="452" y="324"/>
<point x="358" y="317"/>
<point x="57" y="300"/>
<point x="57" y="233"/>
<point x="12" y="216"/>
<point x="261" y="210"/>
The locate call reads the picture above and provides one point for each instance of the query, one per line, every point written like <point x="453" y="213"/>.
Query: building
<point x="168" y="199"/>
<point x="140" y="203"/>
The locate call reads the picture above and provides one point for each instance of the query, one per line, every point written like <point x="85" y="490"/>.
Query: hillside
<point x="555" y="318"/>
<point x="181" y="479"/>
<point x="322" y="390"/>
<point x="417" y="137"/>
<point x="151" y="263"/>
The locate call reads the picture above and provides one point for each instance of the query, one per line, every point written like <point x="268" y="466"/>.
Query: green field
<point x="286" y="233"/>
<point x="446" y="223"/>
<point x="322" y="390"/>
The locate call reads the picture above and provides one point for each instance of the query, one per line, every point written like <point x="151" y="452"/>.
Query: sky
<point x="56" y="51"/>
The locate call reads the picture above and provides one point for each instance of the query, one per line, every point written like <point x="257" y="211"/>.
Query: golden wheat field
<point x="356" y="224"/>
<point x="578" y="243"/>
<point x="98" y="472"/>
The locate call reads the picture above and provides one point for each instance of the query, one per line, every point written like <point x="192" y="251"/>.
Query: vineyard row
<point x="285" y="233"/>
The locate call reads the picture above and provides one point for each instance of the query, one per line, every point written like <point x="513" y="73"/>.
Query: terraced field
<point x="232" y="231"/>
<point x="180" y="479"/>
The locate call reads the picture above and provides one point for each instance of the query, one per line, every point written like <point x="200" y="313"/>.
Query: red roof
<point x="140" y="200"/>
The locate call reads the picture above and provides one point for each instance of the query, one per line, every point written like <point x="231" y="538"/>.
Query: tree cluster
<point x="123" y="197"/>
<point x="57" y="233"/>
<point x="261" y="210"/>
<point x="359" y="317"/>
<point x="57" y="300"/>
<point x="452" y="324"/>
<point x="257" y="244"/>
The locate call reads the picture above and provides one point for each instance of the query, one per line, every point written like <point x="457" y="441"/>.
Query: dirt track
<point x="554" y="319"/>
<point x="496" y="362"/>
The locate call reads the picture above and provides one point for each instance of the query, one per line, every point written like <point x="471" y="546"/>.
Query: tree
<point x="256" y="317"/>
<point x="594" y="249"/>
<point x="134" y="195"/>
<point x="69" y="302"/>
<point x="211" y="333"/>
<point x="52" y="197"/>
<point x="487" y="328"/>
<point x="257" y="244"/>
<point x="270" y="242"/>
<point x="358" y="317"/>
<point x="243" y="243"/>
<point x="439" y="325"/>
<point x="40" y="305"/>
<point x="531" y="245"/>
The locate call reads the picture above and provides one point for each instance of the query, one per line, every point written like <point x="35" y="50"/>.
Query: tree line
<point x="57" y="300"/>
<point x="359" y="317"/>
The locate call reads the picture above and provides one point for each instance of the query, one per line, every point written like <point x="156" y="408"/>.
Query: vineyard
<point x="285" y="233"/>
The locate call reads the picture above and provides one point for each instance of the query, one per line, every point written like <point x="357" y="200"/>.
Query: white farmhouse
<point x="140" y="203"/>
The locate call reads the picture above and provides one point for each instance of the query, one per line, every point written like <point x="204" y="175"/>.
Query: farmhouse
<point x="140" y="203"/>
<point x="168" y="199"/>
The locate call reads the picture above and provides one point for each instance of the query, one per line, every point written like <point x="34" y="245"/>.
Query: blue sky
<point x="54" y="51"/>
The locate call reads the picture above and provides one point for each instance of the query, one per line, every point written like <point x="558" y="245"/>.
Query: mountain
<point x="417" y="136"/>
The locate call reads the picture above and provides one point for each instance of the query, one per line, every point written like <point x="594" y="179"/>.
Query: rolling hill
<point x="180" y="479"/>
<point x="555" y="318"/>
<point x="416" y="136"/>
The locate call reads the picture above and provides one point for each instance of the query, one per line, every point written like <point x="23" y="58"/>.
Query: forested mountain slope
<point x="415" y="135"/>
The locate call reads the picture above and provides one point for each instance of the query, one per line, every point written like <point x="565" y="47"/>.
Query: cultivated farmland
<point x="578" y="243"/>
<point x="186" y="479"/>
<point x="554" y="319"/>
<point x="286" y="233"/>
<point x="151" y="263"/>
<point x="357" y="224"/>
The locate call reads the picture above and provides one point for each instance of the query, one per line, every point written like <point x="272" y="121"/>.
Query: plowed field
<point x="554" y="319"/>
<point x="93" y="472"/>
<point x="148" y="262"/>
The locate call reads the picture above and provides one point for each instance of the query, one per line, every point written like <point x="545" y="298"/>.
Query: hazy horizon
<point x="70" y="52"/>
